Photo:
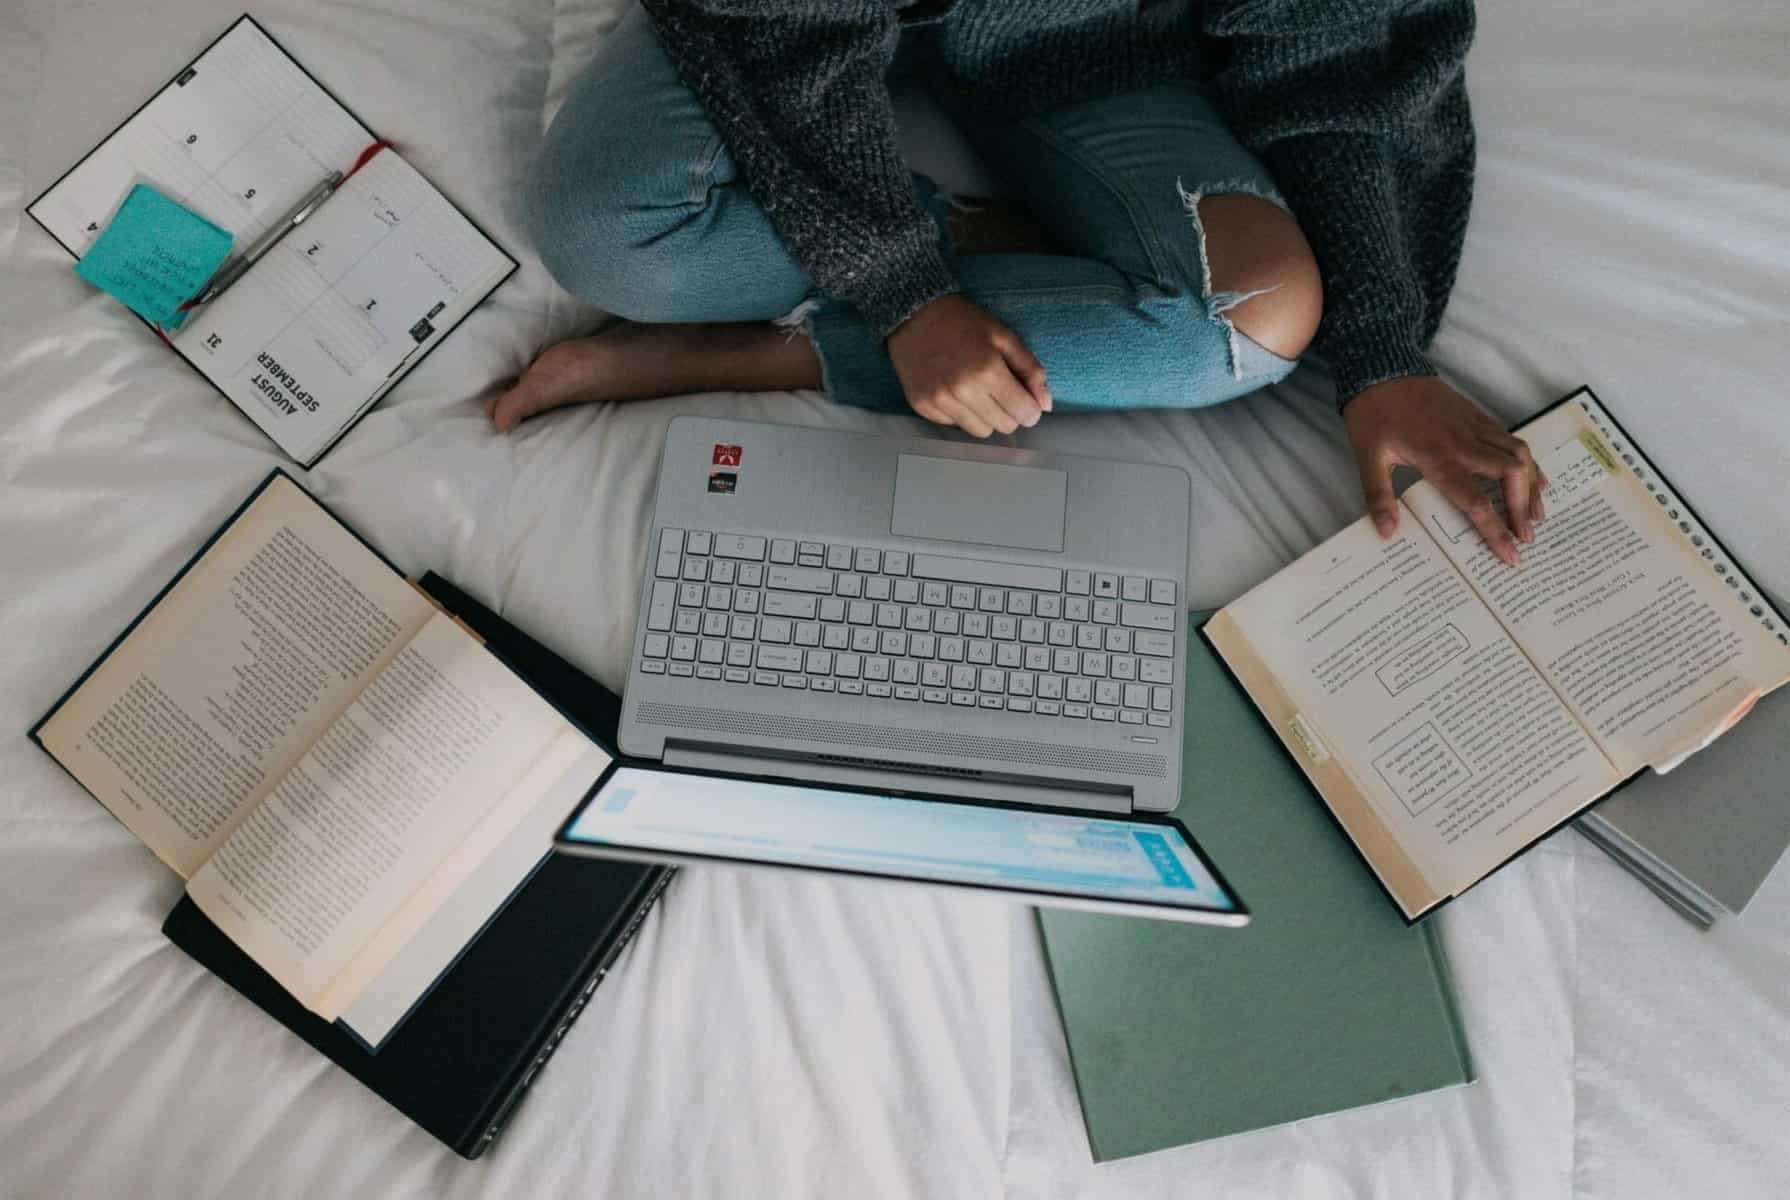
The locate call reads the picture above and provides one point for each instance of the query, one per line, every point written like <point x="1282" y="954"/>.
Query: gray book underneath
<point x="1704" y="836"/>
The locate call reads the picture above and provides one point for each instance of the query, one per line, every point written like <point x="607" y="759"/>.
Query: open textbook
<point x="326" y="322"/>
<point x="348" y="780"/>
<point x="1452" y="710"/>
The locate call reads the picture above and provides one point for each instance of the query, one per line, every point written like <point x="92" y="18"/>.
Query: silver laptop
<point x="908" y="620"/>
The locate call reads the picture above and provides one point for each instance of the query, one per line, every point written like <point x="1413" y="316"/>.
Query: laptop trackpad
<point x="964" y="500"/>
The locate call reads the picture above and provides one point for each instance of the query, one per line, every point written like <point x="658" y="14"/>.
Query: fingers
<point x="960" y="366"/>
<point x="1521" y="478"/>
<point x="973" y="419"/>
<point x="994" y="402"/>
<point x="947" y="409"/>
<point x="1027" y="369"/>
<point x="1505" y="463"/>
<point x="1423" y="422"/>
<point x="1015" y="405"/>
<point x="1007" y="395"/>
<point x="1486" y="458"/>
<point x="1382" y="505"/>
<point x="1460" y="489"/>
<point x="934" y="413"/>
<point x="1517" y="499"/>
<point x="1013" y="386"/>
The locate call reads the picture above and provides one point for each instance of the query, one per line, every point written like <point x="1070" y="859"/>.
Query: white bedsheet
<point x="787" y="1037"/>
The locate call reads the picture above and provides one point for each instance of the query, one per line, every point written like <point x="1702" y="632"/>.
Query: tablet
<point x="1140" y="864"/>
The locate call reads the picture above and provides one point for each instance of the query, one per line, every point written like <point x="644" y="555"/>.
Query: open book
<point x="348" y="780"/>
<point x="1452" y="710"/>
<point x="326" y="322"/>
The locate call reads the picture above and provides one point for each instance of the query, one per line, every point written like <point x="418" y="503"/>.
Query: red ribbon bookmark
<point x="366" y="156"/>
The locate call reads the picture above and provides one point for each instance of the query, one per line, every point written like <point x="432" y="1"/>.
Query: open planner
<point x="349" y="781"/>
<point x="1451" y="710"/>
<point x="329" y="319"/>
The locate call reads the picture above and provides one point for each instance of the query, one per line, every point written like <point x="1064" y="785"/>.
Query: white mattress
<point x="786" y="1037"/>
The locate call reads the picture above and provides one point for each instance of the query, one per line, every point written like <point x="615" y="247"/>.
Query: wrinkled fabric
<point x="787" y="1037"/>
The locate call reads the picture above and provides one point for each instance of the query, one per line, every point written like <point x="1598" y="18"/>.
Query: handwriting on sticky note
<point x="154" y="255"/>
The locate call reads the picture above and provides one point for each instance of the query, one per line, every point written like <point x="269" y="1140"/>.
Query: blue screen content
<point x="1025" y="849"/>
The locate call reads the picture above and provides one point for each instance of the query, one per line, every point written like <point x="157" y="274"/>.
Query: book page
<point x="337" y="309"/>
<point x="226" y="681"/>
<point x="1426" y="730"/>
<point x="434" y="742"/>
<point x="424" y="939"/>
<point x="1655" y="638"/>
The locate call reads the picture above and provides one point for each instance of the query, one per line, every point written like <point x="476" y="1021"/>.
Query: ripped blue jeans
<point x="636" y="207"/>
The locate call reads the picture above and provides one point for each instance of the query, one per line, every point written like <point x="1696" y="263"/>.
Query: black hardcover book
<point x="460" y="1062"/>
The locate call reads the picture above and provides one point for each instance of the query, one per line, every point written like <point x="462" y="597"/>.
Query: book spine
<point x="1457" y="1028"/>
<point x="551" y="1044"/>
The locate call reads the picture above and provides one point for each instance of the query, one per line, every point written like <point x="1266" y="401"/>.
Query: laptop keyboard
<point x="750" y="610"/>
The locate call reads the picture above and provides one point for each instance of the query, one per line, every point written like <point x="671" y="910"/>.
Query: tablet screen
<point x="1037" y="850"/>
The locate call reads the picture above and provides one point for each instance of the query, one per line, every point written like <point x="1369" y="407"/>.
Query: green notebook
<point x="1325" y="1001"/>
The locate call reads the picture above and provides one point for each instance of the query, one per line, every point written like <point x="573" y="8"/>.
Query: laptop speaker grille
<point x="889" y="764"/>
<point x="857" y="734"/>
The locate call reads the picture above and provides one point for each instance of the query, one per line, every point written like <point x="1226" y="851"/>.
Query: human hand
<point x="1420" y="421"/>
<point x="960" y="366"/>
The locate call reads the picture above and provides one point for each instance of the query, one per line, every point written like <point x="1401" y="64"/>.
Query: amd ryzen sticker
<point x="724" y="482"/>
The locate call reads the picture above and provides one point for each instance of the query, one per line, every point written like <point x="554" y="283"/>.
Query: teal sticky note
<point x="155" y="255"/>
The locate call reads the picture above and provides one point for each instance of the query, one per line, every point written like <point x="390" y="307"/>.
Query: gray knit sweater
<point x="1357" y="106"/>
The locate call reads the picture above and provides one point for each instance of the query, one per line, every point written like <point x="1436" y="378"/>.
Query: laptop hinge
<point x="900" y="779"/>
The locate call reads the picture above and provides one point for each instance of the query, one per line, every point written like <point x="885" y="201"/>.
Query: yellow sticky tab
<point x="1599" y="451"/>
<point x="1308" y="740"/>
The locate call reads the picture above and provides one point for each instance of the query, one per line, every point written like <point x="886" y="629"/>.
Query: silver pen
<point x="237" y="265"/>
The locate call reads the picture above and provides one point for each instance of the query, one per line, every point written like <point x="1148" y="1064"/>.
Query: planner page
<point x="238" y="136"/>
<point x="327" y="320"/>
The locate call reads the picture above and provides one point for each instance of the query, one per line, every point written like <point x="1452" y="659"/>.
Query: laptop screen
<point x="1046" y="851"/>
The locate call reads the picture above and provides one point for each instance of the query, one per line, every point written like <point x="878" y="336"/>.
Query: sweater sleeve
<point x="796" y="89"/>
<point x="1359" y="108"/>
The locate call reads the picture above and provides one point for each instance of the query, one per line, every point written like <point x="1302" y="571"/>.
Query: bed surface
<point x="771" y="1036"/>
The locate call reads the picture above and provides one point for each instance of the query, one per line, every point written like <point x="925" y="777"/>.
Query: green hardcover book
<point x="1325" y="1001"/>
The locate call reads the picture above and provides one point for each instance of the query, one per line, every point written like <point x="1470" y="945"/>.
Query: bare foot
<point x="630" y="361"/>
<point x="570" y="372"/>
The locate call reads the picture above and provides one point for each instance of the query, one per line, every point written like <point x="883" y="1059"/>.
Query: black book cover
<point x="460" y="1063"/>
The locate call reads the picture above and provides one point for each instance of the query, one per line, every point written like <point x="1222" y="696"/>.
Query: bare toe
<point x="511" y="406"/>
<point x="567" y="373"/>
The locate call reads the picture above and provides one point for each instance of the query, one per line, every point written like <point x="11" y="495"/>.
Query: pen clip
<point x="319" y="194"/>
